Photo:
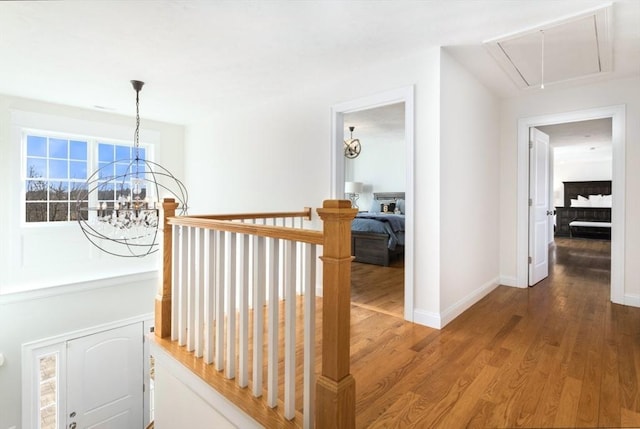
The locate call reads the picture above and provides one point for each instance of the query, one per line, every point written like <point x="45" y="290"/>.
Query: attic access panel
<point x="574" y="48"/>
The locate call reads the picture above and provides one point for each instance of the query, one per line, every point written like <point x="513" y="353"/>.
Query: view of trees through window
<point x="57" y="170"/>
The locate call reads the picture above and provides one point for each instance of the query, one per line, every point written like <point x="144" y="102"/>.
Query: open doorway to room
<point x="616" y="116"/>
<point x="385" y="183"/>
<point x="580" y="178"/>
<point x="375" y="181"/>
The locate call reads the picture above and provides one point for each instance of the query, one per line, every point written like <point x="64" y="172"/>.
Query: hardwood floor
<point x="379" y="288"/>
<point x="556" y="355"/>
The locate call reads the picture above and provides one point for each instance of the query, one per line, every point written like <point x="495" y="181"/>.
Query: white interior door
<point x="539" y="211"/>
<point x="105" y="380"/>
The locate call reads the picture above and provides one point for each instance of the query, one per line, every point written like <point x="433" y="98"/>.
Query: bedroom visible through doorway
<point x="617" y="113"/>
<point x="580" y="189"/>
<point x="378" y="232"/>
<point x="402" y="97"/>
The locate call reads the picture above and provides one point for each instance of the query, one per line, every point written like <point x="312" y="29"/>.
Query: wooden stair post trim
<point x="335" y="388"/>
<point x="162" y="327"/>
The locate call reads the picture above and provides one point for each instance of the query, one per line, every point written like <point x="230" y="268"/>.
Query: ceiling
<point x="199" y="57"/>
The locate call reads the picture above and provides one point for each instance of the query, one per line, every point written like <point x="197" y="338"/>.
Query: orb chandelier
<point x="118" y="209"/>
<point x="352" y="146"/>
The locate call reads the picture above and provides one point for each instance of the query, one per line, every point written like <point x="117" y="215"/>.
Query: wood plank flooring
<point x="379" y="288"/>
<point x="553" y="356"/>
<point x="557" y="355"/>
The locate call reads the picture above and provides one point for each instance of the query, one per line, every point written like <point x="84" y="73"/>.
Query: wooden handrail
<point x="305" y="214"/>
<point x="285" y="233"/>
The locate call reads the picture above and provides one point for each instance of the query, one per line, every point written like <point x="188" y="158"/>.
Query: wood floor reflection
<point x="379" y="288"/>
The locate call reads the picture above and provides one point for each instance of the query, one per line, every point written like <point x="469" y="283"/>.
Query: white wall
<point x="469" y="188"/>
<point x="30" y="256"/>
<point x="83" y="292"/>
<point x="277" y="156"/>
<point x="625" y="91"/>
<point x="578" y="169"/>
<point x="32" y="316"/>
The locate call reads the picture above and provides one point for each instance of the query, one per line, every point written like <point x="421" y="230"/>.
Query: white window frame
<point x="92" y="165"/>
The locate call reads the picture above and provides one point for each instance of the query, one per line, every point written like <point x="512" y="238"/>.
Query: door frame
<point x="401" y="95"/>
<point x="617" y="114"/>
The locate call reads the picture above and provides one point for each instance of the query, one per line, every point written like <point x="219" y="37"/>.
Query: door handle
<point x="549" y="212"/>
<point x="72" y="425"/>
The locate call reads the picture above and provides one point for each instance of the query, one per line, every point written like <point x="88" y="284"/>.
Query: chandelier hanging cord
<point x="137" y="85"/>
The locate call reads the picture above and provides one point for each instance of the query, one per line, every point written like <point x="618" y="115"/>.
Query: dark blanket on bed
<point x="390" y="224"/>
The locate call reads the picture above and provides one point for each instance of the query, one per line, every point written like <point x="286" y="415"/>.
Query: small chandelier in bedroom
<point x="352" y="146"/>
<point x="118" y="208"/>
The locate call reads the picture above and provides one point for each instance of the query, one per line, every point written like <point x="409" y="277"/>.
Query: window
<point x="57" y="169"/>
<point x="48" y="391"/>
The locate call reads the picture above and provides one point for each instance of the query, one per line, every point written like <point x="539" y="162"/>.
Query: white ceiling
<point x="198" y="57"/>
<point x="583" y="140"/>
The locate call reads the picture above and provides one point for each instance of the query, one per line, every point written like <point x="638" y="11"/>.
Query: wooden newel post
<point x="336" y="387"/>
<point x="163" y="299"/>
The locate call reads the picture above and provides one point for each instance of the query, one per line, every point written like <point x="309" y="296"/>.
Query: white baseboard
<point x="632" y="300"/>
<point x="440" y="320"/>
<point x="427" y="318"/>
<point x="509" y="281"/>
<point x="459" y="307"/>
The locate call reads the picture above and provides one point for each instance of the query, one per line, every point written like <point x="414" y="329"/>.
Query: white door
<point x="105" y="380"/>
<point x="539" y="211"/>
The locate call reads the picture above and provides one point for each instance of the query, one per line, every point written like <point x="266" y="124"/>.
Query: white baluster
<point x="219" y="302"/>
<point x="309" y="364"/>
<point x="290" y="330"/>
<point x="182" y="281"/>
<point x="191" y="296"/>
<point x="230" y="283"/>
<point x="258" y="277"/>
<point x="175" y="281"/>
<point x="243" y="329"/>
<point x="273" y="252"/>
<point x="209" y="294"/>
<point x="199" y="291"/>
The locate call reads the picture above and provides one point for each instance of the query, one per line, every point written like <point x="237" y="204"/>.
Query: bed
<point x="377" y="236"/>
<point x="587" y="210"/>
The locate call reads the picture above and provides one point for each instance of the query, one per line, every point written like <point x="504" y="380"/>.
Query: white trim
<point x="509" y="281"/>
<point x="199" y="387"/>
<point x="44" y="292"/>
<point x="406" y="95"/>
<point x="457" y="308"/>
<point x="618" y="115"/>
<point x="57" y="343"/>
<point x="427" y="318"/>
<point x="632" y="300"/>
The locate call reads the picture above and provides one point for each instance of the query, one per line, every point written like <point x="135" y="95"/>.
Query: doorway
<point x="617" y="115"/>
<point x="377" y="272"/>
<point x="578" y="188"/>
<point x="95" y="377"/>
<point x="402" y="95"/>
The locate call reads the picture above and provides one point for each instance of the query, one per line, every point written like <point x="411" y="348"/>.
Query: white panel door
<point x="538" y="206"/>
<point x="105" y="380"/>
